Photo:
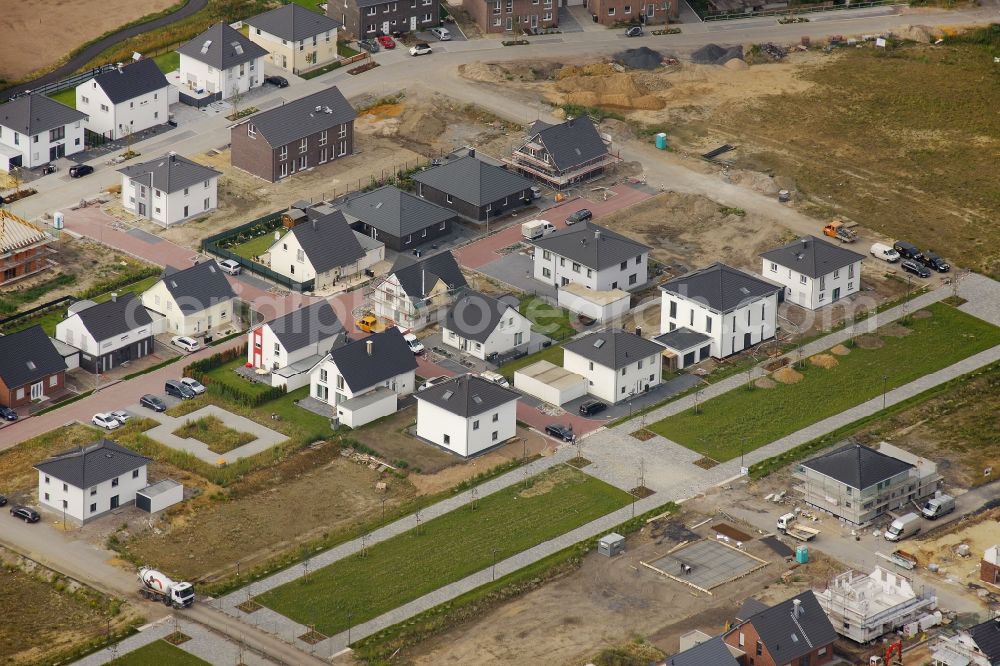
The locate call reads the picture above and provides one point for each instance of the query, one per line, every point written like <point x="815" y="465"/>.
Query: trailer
<point x="789" y="524"/>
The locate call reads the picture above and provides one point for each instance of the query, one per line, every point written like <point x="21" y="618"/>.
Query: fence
<point x="65" y="300"/>
<point x="69" y="82"/>
<point x="800" y="9"/>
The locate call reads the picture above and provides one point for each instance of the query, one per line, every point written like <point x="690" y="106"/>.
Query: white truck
<point x="903" y="527"/>
<point x="789" y="524"/>
<point x="938" y="506"/>
<point x="536" y="229"/>
<point x="159" y="587"/>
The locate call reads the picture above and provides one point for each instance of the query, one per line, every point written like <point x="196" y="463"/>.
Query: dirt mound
<point x="593" y="69"/>
<point x="736" y="63"/>
<point x="619" y="130"/>
<point x="918" y="33"/>
<point x="923" y="314"/>
<point x="840" y="350"/>
<point x="824" y="361"/>
<point x="640" y="58"/>
<point x="787" y="376"/>
<point x="483" y="72"/>
<point x="895" y="331"/>
<point x="869" y="342"/>
<point x="713" y="54"/>
<point x="421" y="127"/>
<point x="615" y="90"/>
<point x="765" y="383"/>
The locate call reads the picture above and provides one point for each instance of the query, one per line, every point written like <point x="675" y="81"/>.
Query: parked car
<point x="367" y="323"/>
<point x="935" y="261"/>
<point x="196" y="387"/>
<point x="910" y="266"/>
<point x="560" y="431"/>
<point x="495" y="377"/>
<point x="121" y="415"/>
<point x="80" y="170"/>
<point x="185" y="343"/>
<point x="3" y="500"/>
<point x="581" y="215"/>
<point x="230" y="266"/>
<point x="369" y="45"/>
<point x="105" y="421"/>
<point x="884" y="252"/>
<point x="907" y="250"/>
<point x="279" y="81"/>
<point x="150" y="401"/>
<point x="591" y="407"/>
<point x="8" y="414"/>
<point x="25" y="513"/>
<point x="420" y="49"/>
<point x="433" y="381"/>
<point x="441" y="33"/>
<point x="178" y="390"/>
<point x="634" y="31"/>
<point x="416" y="346"/>
<point x="387" y="42"/>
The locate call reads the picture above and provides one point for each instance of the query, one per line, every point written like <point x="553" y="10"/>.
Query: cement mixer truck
<point x="158" y="587"/>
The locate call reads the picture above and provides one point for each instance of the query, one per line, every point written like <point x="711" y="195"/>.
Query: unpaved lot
<point x="977" y="533"/>
<point x="40" y="33"/>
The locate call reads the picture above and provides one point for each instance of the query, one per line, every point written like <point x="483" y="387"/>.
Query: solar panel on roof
<point x="204" y="47"/>
<point x="447" y="395"/>
<point x="476" y="399"/>
<point x="599" y="343"/>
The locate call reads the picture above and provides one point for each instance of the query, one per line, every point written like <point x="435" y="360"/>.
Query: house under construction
<point x="864" y="607"/>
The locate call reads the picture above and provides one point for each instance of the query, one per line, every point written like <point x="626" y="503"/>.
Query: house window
<point x="303" y="145"/>
<point x="208" y="203"/>
<point x="822" y="282"/>
<point x="822" y="651"/>
<point x="65" y="504"/>
<point x="628" y="9"/>
<point x="135" y="474"/>
<point x="46" y="497"/>
<point x="322" y="138"/>
<point x="774" y="267"/>
<point x="93" y="508"/>
<point x="427" y="17"/>
<point x="53" y="380"/>
<point x="673" y="309"/>
<point x="343" y="149"/>
<point x="444" y="225"/>
<point x="284" y="170"/>
<point x="546" y="255"/>
<point x="251" y="131"/>
<point x="322" y="375"/>
<point x="114" y="483"/>
<point x="496" y="435"/>
<point x="611" y="11"/>
<point x="93" y="491"/>
<point x="850" y="272"/>
<point x="691" y="318"/>
<point x="447" y="439"/>
<point x="548" y="15"/>
<point x="632" y="279"/>
<point x="497" y="22"/>
<point x="708" y="324"/>
<point x="322" y="155"/>
<point x="283" y="153"/>
<point x="591" y="365"/>
<point x="802" y="279"/>
<point x="760" y="649"/>
<point x="84" y="99"/>
<point x="850" y="285"/>
<point x="475" y="424"/>
<point x="624" y="265"/>
<point x="340" y="382"/>
<point x="640" y="364"/>
<point x="836" y="274"/>
<point x="546" y="272"/>
<point x="65" y="487"/>
<point x="104" y="107"/>
<point x="496" y="417"/>
<point x="576" y="267"/>
<point x="372" y="11"/>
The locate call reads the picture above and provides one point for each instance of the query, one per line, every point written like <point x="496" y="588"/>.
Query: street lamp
<point x="743" y="446"/>
<point x="350" y="615"/>
<point x="494" y="568"/>
<point x="885" y="378"/>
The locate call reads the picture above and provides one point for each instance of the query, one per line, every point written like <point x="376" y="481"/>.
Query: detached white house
<point x="467" y="414"/>
<point x="169" y="189"/>
<point x="480" y="325"/>
<point x="108" y="334"/>
<point x="363" y="379"/>
<point x="298" y="39"/>
<point x="89" y="481"/>
<point x="814" y="273"/>
<point x="221" y="61"/>
<point x="291" y="345"/>
<point x="417" y="293"/>
<point x="127" y="99"/>
<point x="192" y="301"/>
<point x="617" y="364"/>
<point x="591" y="256"/>
<point x="35" y="130"/>
<point x="715" y="311"/>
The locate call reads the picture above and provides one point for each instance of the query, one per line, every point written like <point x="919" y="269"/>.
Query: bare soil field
<point x="607" y="602"/>
<point x="40" y="33"/>
<point x="978" y="533"/>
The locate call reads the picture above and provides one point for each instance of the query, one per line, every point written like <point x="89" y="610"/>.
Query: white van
<point x="884" y="252"/>
<point x="903" y="527"/>
<point x="536" y="229"/>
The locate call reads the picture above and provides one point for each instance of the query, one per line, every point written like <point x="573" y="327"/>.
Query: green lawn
<point x="67" y="97"/>
<point x="225" y="374"/>
<point x="552" y="354"/>
<point x="212" y="431"/>
<point x="446" y="549"/>
<point x="761" y="416"/>
<point x="255" y="247"/>
<point x="547" y="319"/>
<point x="156" y="654"/>
<point x="345" y="51"/>
<point x="168" y="62"/>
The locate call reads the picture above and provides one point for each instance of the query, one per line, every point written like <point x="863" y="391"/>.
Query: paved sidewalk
<point x="164" y="433"/>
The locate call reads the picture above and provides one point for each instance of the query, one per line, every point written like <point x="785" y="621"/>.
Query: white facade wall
<point x="616" y="385"/>
<point x="355" y="418"/>
<point x="72" y="332"/>
<point x="117" y="120"/>
<point x="757" y="319"/>
<point x="327" y="384"/>
<point x="159" y="300"/>
<point x="813" y="293"/>
<point x="289" y="259"/>
<point x="554" y="269"/>
<point x="552" y="394"/>
<point x="83" y="504"/>
<point x="599" y="311"/>
<point x="172" y="208"/>
<point x="196" y="75"/>
<point x="264" y="350"/>
<point x="35" y="149"/>
<point x="462" y="435"/>
<point x="513" y="330"/>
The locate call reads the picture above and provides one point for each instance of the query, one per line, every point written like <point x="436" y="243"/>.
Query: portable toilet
<point x="661" y="141"/>
<point x="610" y="545"/>
<point x="802" y="554"/>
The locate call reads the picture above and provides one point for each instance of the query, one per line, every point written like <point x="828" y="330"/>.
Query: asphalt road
<point x="92" y="51"/>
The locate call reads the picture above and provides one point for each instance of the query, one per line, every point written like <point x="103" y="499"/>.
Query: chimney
<point x="597" y="234"/>
<point x="368" y="346"/>
<point x="114" y="297"/>
<point x="120" y="67"/>
<point x="472" y="152"/>
<point x="423" y="282"/>
<point x="805" y="242"/>
<point x="796" y="607"/>
<point x="638" y="331"/>
<point x="313" y="220"/>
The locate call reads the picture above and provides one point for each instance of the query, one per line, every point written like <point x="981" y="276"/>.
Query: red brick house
<point x="30" y="367"/>
<point x="795" y="632"/>
<point x="513" y="16"/>
<point x="24" y="248"/>
<point x="989" y="568"/>
<point x="610" y="12"/>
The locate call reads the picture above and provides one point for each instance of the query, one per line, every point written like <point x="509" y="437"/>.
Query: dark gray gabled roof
<point x="467" y="395"/>
<point x="682" y="338"/>
<point x="812" y="256"/>
<point x="170" y="173"/>
<point x="292" y="121"/>
<point x="27" y="356"/>
<point x="592" y="245"/>
<point x="293" y="22"/>
<point x="32" y="114"/>
<point x="750" y="608"/>
<point x="474" y="315"/>
<point x="131" y="81"/>
<point x="571" y="142"/>
<point x="114" y="318"/>
<point x="857" y="466"/>
<point x="613" y="349"/>
<point x="720" y="287"/>
<point x="987" y="637"/>
<point x="222" y="47"/>
<point x="395" y="212"/>
<point x="328" y="241"/>
<point x="87" y="466"/>
<point x="417" y="278"/>
<point x="713" y="652"/>
<point x="787" y="636"/>
<point x="374" y="359"/>
<point x="197" y="288"/>
<point x="306" y="326"/>
<point x="473" y="181"/>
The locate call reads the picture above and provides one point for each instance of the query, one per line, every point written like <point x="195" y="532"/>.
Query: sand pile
<point x="640" y="58"/>
<point x="765" y="383"/>
<point x="869" y="341"/>
<point x="895" y="331"/>
<point x="713" y="54"/>
<point x="736" y="63"/>
<point x="840" y="350"/>
<point x="923" y="314"/>
<point x="483" y="72"/>
<point x="421" y="127"/>
<point x="824" y="361"/>
<point x="609" y="89"/>
<point x="787" y="376"/>
<point x="918" y="33"/>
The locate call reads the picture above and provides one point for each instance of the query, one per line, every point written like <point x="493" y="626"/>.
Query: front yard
<point x="895" y="355"/>
<point x="555" y="322"/>
<point x="255" y="246"/>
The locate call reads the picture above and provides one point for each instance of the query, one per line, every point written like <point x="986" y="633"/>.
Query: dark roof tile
<point x="87" y="466"/>
<point x="720" y="287"/>
<point x="858" y="466"/>
<point x="114" y="318"/>
<point x="306" y="326"/>
<point x="27" y="356"/>
<point x="467" y="395"/>
<point x="294" y="23"/>
<point x="395" y="212"/>
<point x="474" y="181"/>
<point x="592" y="245"/>
<point x="389" y="356"/>
<point x="812" y="256"/>
<point x="613" y="349"/>
<point x="222" y="47"/>
<point x="131" y="81"/>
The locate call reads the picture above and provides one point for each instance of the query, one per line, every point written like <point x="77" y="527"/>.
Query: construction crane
<point x="893" y="656"/>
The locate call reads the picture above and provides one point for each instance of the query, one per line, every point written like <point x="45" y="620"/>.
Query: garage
<point x="159" y="496"/>
<point x="684" y="347"/>
<point x="547" y="381"/>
